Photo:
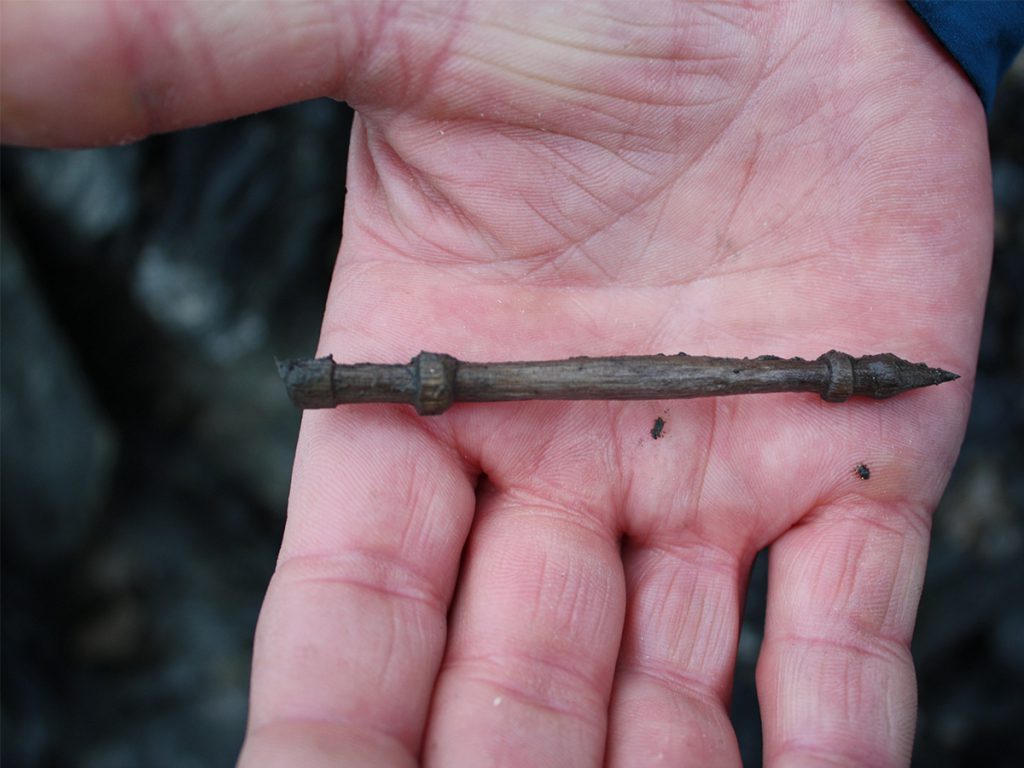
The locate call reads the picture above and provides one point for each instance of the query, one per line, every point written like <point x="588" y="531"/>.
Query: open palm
<point x="544" y="583"/>
<point x="535" y="185"/>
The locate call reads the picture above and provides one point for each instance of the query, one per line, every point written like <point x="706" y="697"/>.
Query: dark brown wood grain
<point x="432" y="382"/>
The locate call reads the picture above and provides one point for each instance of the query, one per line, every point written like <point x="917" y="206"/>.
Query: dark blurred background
<point x="147" y="447"/>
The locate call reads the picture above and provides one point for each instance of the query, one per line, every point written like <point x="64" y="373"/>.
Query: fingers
<point x="675" y="669"/>
<point x="533" y="640"/>
<point x="835" y="677"/>
<point x="353" y="628"/>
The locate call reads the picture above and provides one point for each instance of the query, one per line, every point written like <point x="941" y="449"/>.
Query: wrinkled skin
<point x="542" y="583"/>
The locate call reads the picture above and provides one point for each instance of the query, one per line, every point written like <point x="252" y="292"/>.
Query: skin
<point x="542" y="583"/>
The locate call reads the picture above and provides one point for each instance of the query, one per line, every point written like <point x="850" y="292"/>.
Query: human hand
<point x="542" y="583"/>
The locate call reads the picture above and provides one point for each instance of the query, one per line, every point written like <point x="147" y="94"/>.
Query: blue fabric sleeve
<point x="982" y="35"/>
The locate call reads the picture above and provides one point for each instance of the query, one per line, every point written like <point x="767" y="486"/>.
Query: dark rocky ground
<point x="147" y="447"/>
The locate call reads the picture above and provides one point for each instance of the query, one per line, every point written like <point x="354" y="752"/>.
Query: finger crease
<point x="669" y="676"/>
<point x="546" y="684"/>
<point x="371" y="571"/>
<point x="871" y="646"/>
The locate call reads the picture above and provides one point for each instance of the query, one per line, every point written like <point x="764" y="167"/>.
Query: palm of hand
<point x="725" y="186"/>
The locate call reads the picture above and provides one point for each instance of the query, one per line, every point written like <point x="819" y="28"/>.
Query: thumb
<point x="80" y="74"/>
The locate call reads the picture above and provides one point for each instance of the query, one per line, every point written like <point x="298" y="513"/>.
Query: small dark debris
<point x="767" y="357"/>
<point x="863" y="472"/>
<point x="659" y="425"/>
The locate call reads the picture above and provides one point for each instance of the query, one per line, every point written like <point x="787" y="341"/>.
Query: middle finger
<point x="533" y="638"/>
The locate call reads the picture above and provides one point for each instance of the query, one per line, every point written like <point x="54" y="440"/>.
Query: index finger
<point x="353" y="628"/>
